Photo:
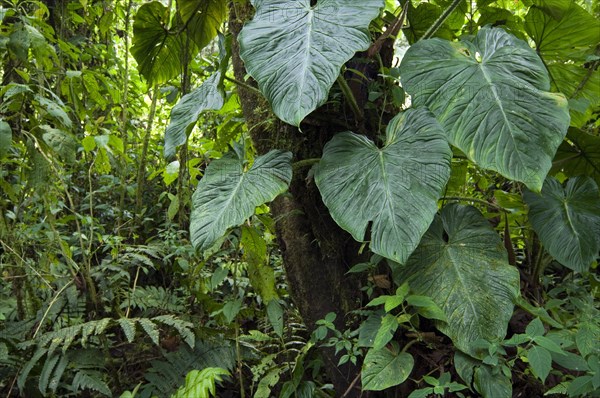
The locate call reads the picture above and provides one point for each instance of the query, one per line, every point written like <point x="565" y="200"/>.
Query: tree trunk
<point x="316" y="252"/>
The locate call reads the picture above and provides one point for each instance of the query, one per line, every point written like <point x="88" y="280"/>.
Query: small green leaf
<point x="383" y="369"/>
<point x="5" y="137"/>
<point x="535" y="328"/>
<point x="275" y="315"/>
<point x="386" y="331"/>
<point x="540" y="361"/>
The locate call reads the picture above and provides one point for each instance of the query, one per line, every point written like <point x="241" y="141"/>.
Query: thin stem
<point x="54" y="299"/>
<point x="350" y="97"/>
<point x="436" y="25"/>
<point x="465" y="199"/>
<point x="242" y="84"/>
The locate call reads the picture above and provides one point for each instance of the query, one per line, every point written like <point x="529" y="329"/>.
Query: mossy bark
<point x="316" y="252"/>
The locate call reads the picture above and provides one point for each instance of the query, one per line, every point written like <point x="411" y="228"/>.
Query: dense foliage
<point x="300" y="198"/>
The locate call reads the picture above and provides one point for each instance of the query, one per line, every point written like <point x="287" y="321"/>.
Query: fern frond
<point x="184" y="328"/>
<point x="201" y="384"/>
<point x="91" y="380"/>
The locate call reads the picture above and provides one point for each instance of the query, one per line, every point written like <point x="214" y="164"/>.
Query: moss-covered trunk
<point x="316" y="252"/>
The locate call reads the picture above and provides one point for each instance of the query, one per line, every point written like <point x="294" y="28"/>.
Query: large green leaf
<point x="209" y="96"/>
<point x="565" y="41"/>
<point x="490" y="94"/>
<point x="295" y="51"/>
<point x="580" y="155"/>
<point x="395" y="187"/>
<point x="567" y="220"/>
<point x="462" y="265"/>
<point x="202" y="19"/>
<point x="383" y="369"/>
<point x="228" y="194"/>
<point x="156" y="49"/>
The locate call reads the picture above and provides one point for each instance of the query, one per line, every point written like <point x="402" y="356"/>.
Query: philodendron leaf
<point x="228" y="194"/>
<point x="490" y="93"/>
<point x="383" y="369"/>
<point x="295" y="51"/>
<point x="156" y="49"/>
<point x="202" y="19"/>
<point x="567" y="220"/>
<point x="209" y="96"/>
<point x="462" y="265"/>
<point x="395" y="187"/>
<point x="580" y="156"/>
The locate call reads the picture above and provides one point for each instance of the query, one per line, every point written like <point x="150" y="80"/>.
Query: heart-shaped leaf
<point x="567" y="220"/>
<point x="384" y="369"/>
<point x="295" y="51"/>
<point x="228" y="194"/>
<point x="156" y="49"/>
<point x="202" y="19"/>
<point x="462" y="265"/>
<point x="565" y="41"/>
<point x="490" y="95"/>
<point x="396" y="187"/>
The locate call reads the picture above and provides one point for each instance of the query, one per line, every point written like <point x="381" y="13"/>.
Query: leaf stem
<point x="242" y="84"/>
<point x="305" y="163"/>
<point x="350" y="97"/>
<point x="436" y="25"/>
<point x="464" y="199"/>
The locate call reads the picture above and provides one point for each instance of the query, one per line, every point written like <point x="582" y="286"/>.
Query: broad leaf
<point x="295" y="51"/>
<point x="228" y="194"/>
<point x="209" y="96"/>
<point x="383" y="369"/>
<point x="202" y="19"/>
<point x="579" y="156"/>
<point x="395" y="188"/>
<point x="490" y="95"/>
<point x="156" y="49"/>
<point x="462" y="265"/>
<point x="567" y="220"/>
<point x="565" y="40"/>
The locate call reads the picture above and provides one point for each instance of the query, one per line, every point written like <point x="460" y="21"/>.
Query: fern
<point x="200" y="383"/>
<point x="92" y="380"/>
<point x="165" y="376"/>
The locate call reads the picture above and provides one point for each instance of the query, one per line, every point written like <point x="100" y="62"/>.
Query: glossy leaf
<point x="383" y="369"/>
<point x="462" y="265"/>
<point x="490" y="93"/>
<point x="567" y="220"/>
<point x="295" y="51"/>
<point x="395" y="188"/>
<point x="228" y="194"/>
